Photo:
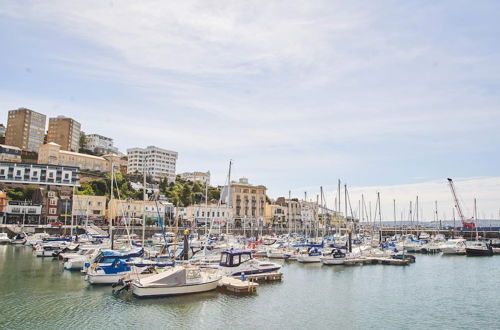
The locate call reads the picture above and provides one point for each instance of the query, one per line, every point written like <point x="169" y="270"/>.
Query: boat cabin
<point x="234" y="258"/>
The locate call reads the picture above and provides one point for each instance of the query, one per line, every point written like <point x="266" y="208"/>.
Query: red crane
<point x="465" y="223"/>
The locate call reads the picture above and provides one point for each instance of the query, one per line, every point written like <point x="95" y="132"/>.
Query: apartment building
<point x="37" y="174"/>
<point x="65" y="132"/>
<point x="247" y="201"/>
<point x="202" y="177"/>
<point x="100" y="144"/>
<point x="52" y="154"/>
<point x="293" y="213"/>
<point x="92" y="208"/>
<point x="25" y="129"/>
<point x="157" y="162"/>
<point x="10" y="153"/>
<point x="204" y="214"/>
<point x="275" y="216"/>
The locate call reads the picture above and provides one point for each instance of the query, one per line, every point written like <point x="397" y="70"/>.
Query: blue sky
<point x="297" y="93"/>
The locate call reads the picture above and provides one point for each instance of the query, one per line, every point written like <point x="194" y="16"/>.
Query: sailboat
<point x="178" y="280"/>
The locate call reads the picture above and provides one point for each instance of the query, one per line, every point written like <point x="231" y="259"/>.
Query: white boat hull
<point x="453" y="250"/>
<point x="332" y="261"/>
<point x="309" y="259"/>
<point x="151" y="292"/>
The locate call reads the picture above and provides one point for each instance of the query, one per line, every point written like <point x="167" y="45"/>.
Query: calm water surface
<point x="435" y="292"/>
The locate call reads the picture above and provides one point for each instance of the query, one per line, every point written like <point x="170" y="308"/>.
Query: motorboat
<point x="479" y="249"/>
<point x="48" y="250"/>
<point x="78" y="260"/>
<point x="4" y="238"/>
<point x="453" y="246"/>
<point x="178" y="280"/>
<point x="337" y="257"/>
<point x="237" y="262"/>
<point x="36" y="238"/>
<point x="19" y="239"/>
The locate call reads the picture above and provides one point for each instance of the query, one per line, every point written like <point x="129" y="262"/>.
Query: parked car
<point x="56" y="224"/>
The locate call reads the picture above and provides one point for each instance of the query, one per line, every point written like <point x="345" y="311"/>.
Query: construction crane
<point x="465" y="223"/>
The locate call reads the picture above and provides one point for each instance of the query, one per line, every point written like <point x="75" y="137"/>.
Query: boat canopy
<point x="173" y="277"/>
<point x="233" y="258"/>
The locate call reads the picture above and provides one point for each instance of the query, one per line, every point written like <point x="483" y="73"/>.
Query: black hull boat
<point x="479" y="251"/>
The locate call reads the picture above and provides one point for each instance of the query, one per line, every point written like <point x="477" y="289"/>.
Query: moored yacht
<point x="453" y="246"/>
<point x="237" y="262"/>
<point x="479" y="249"/>
<point x="178" y="280"/>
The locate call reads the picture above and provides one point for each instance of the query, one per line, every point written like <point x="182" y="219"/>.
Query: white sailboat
<point x="178" y="280"/>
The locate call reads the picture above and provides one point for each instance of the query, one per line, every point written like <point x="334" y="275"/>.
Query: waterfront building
<point x="19" y="212"/>
<point x="292" y="211"/>
<point x="132" y="211"/>
<point x="202" y="177"/>
<point x="25" y="129"/>
<point x="65" y="132"/>
<point x="10" y="153"/>
<point x="38" y="174"/>
<point x="52" y="154"/>
<point x="119" y="162"/>
<point x="275" y="216"/>
<point x="88" y="207"/>
<point x="247" y="201"/>
<point x="157" y="162"/>
<point x="100" y="144"/>
<point x="308" y="213"/>
<point x="203" y="214"/>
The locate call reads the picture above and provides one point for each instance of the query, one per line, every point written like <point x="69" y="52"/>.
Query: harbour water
<point x="441" y="292"/>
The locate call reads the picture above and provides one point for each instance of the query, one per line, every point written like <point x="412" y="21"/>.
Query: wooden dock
<point x="376" y="260"/>
<point x="238" y="286"/>
<point x="265" y="277"/>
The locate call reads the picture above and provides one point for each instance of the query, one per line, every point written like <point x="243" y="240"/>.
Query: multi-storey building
<point x="292" y="211"/>
<point x="132" y="211"/>
<point x="275" y="216"/>
<point x="202" y="177"/>
<point x="247" y="201"/>
<point x="2" y="130"/>
<point x="157" y="162"/>
<point x="65" y="132"/>
<point x="309" y="213"/>
<point x="37" y="174"/>
<point x="52" y="154"/>
<point x="205" y="214"/>
<point x="25" y="129"/>
<point x="92" y="208"/>
<point x="100" y="144"/>
<point x="20" y="212"/>
<point x="10" y="153"/>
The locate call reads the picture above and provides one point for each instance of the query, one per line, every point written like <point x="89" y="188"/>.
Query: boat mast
<point x="228" y="194"/>
<point x="110" y="225"/>
<point x="144" y="206"/>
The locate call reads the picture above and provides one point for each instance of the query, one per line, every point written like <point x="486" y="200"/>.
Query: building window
<point x="52" y="211"/>
<point x="53" y="202"/>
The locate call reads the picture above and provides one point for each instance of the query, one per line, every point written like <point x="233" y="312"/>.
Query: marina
<point x="457" y="289"/>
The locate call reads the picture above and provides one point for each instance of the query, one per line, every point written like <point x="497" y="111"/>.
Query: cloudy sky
<point x="390" y="96"/>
